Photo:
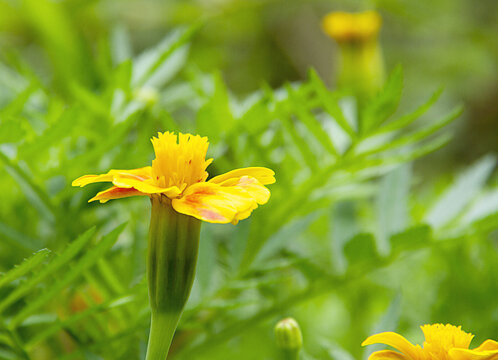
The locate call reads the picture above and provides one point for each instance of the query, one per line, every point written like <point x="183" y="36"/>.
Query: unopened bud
<point x="288" y="335"/>
<point x="360" y="69"/>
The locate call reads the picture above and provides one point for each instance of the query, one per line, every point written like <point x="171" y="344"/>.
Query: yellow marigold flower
<point x="179" y="173"/>
<point x="343" y="26"/>
<point x="442" y="342"/>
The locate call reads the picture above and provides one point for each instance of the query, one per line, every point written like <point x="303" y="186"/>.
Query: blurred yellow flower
<point x="179" y="173"/>
<point x="442" y="342"/>
<point x="343" y="26"/>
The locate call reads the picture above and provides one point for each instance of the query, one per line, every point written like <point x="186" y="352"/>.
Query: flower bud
<point x="289" y="338"/>
<point x="361" y="66"/>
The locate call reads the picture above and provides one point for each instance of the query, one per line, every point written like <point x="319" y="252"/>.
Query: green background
<point x="384" y="228"/>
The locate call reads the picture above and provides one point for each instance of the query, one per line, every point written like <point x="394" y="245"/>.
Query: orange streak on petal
<point x="115" y="193"/>
<point x="213" y="203"/>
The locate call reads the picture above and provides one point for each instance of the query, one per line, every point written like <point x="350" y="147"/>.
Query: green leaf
<point x="406" y="120"/>
<point x="279" y="239"/>
<point x="17" y="238"/>
<point x="344" y="226"/>
<point x="392" y="204"/>
<point x="69" y="253"/>
<point x="461" y="193"/>
<point x="90" y="257"/>
<point x="307" y="156"/>
<point x="215" y="118"/>
<point x="413" y="238"/>
<point x="388" y="322"/>
<point x="34" y="193"/>
<point x="330" y="103"/>
<point x="85" y="315"/>
<point x="486" y="205"/>
<point x="384" y="104"/>
<point x="420" y="134"/>
<point x="121" y="48"/>
<point x="27" y="266"/>
<point x="336" y="352"/>
<point x="62" y="128"/>
<point x="11" y="129"/>
<point x="361" y="250"/>
<point x="156" y="66"/>
<point x="313" y="125"/>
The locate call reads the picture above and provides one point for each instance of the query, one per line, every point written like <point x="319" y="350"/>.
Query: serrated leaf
<point x="59" y="130"/>
<point x="384" y="104"/>
<point x="407" y="119"/>
<point x="27" y="266"/>
<point x="78" y="318"/>
<point x="420" y="134"/>
<point x="90" y="257"/>
<point x="330" y="103"/>
<point x="69" y="253"/>
<point x="314" y="126"/>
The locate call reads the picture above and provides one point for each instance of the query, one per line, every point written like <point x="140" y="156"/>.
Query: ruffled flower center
<point x="180" y="160"/>
<point x="440" y="339"/>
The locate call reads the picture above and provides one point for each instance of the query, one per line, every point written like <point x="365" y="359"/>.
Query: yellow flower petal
<point x="116" y="193"/>
<point x="386" y="355"/>
<point x="138" y="174"/>
<point x="126" y="181"/>
<point x="214" y="203"/>
<point x="487" y="345"/>
<point x="464" y="354"/>
<point x="264" y="175"/>
<point x="244" y="214"/>
<point x="260" y="193"/>
<point x="488" y="350"/>
<point x="396" y="341"/>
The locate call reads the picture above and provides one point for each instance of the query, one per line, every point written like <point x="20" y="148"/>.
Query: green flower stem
<point x="362" y="68"/>
<point x="289" y="354"/>
<point x="171" y="262"/>
<point x="162" y="329"/>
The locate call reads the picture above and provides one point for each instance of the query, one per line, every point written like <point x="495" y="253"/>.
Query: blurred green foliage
<point x="355" y="239"/>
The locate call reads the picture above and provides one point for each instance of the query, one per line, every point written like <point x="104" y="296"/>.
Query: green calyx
<point x="289" y="338"/>
<point x="171" y="263"/>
